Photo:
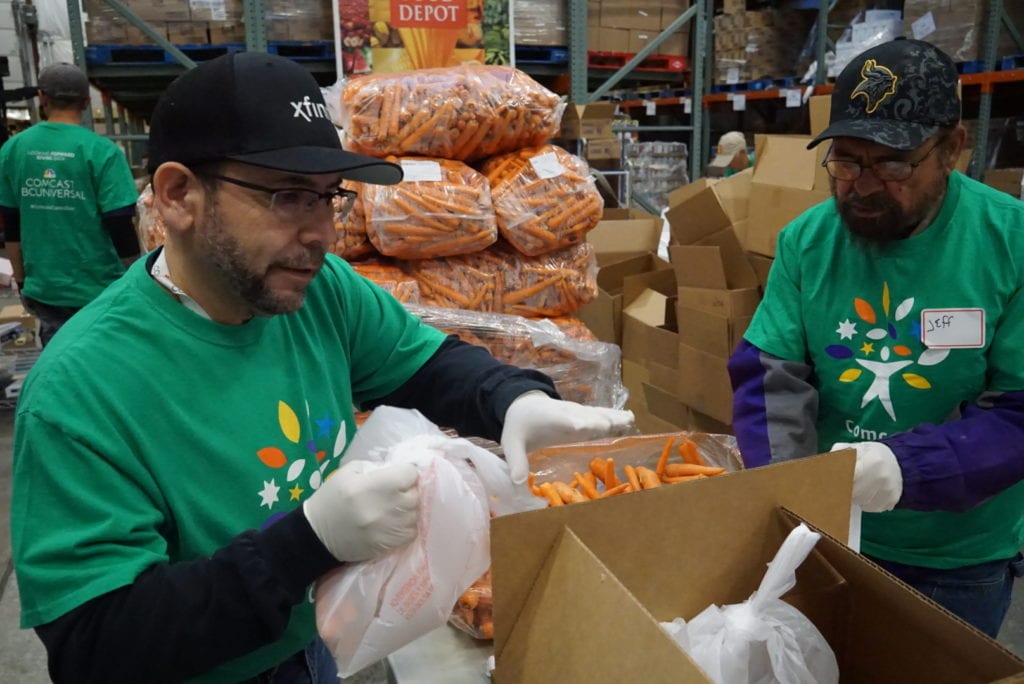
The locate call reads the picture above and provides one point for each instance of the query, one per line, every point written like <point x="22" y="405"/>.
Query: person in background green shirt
<point x="67" y="198"/>
<point x="732" y="154"/>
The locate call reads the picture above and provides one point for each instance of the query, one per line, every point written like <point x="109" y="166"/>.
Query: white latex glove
<point x="363" y="510"/>
<point x="877" y="478"/>
<point x="535" y="420"/>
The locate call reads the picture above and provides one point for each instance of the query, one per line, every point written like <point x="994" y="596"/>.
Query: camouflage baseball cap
<point x="897" y="94"/>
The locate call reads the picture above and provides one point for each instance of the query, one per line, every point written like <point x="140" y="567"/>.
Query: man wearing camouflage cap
<point x="893" y="323"/>
<point x="67" y="199"/>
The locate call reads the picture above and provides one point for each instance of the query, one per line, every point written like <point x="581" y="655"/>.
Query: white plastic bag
<point x="365" y="611"/>
<point x="763" y="639"/>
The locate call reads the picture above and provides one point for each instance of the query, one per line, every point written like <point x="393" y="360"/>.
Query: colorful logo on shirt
<point x="49" y="173"/>
<point x="881" y="350"/>
<point x="300" y="465"/>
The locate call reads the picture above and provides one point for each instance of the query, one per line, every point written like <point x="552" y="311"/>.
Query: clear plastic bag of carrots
<point x="353" y="243"/>
<point x="465" y="112"/>
<point x="389" y="278"/>
<point x="473" y="612"/>
<point x="442" y="208"/>
<point x="149" y="224"/>
<point x="544" y="197"/>
<point x="585" y="471"/>
<point x="584" y="370"/>
<point x="502" y="279"/>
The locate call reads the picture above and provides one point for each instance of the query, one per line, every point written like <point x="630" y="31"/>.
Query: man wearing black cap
<point x="177" y="486"/>
<point x="893" y="323"/>
<point x="67" y="199"/>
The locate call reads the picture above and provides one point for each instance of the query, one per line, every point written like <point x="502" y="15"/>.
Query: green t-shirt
<point x="750" y="163"/>
<point x="62" y="178"/>
<point x="154" y="435"/>
<point x="856" y="314"/>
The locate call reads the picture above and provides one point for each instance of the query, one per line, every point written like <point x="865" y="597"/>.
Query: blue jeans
<point x="978" y="594"/>
<point x="314" y="665"/>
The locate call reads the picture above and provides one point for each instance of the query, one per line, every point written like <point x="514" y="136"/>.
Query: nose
<point x="318" y="227"/>
<point x="867" y="183"/>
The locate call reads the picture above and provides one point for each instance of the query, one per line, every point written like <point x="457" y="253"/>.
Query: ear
<point x="957" y="139"/>
<point x="178" y="196"/>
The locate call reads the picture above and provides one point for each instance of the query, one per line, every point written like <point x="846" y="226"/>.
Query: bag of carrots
<point x="465" y="112"/>
<point x="150" y="226"/>
<point x="441" y="208"/>
<point x="353" y="242"/>
<point x="391" y="279"/>
<point x="504" y="280"/>
<point x="544" y="197"/>
<point x="584" y="371"/>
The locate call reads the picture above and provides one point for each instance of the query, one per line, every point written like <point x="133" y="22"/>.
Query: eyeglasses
<point x="892" y="171"/>
<point x="293" y="203"/>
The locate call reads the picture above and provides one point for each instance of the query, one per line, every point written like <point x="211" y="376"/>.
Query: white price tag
<point x="793" y="98"/>
<point x="739" y="102"/>
<point x="419" y="171"/>
<point x="953" y="328"/>
<point x="687" y="105"/>
<point x="732" y="75"/>
<point x="923" y="27"/>
<point x="651" y="107"/>
<point x="547" y="165"/>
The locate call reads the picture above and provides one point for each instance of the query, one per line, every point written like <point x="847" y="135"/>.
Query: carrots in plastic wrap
<point x="544" y="197"/>
<point x="391" y="279"/>
<point x="442" y="208"/>
<point x="150" y="226"/>
<point x="500" y="279"/>
<point x="466" y="112"/>
<point x="353" y="243"/>
<point x="474" y="609"/>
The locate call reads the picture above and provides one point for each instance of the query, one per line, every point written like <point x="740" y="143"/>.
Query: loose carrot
<point x="548" y="490"/>
<point x="610" y="479"/>
<point x="632" y="478"/>
<point x="590" y="479"/>
<point x="589" y="490"/>
<point x="689" y="453"/>
<point x="683" y="469"/>
<point x="686" y="478"/>
<point x="567" y="493"/>
<point x="532" y="481"/>
<point x="648" y="478"/>
<point x="663" y="459"/>
<point x="623" y="488"/>
<point x="597" y="468"/>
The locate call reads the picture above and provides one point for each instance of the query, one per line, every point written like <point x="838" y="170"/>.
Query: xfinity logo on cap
<point x="307" y="109"/>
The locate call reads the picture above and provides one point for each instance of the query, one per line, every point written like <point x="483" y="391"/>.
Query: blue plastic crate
<point x="535" y="54"/>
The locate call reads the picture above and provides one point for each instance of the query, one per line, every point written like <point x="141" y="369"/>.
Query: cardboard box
<point x="600" y="149"/>
<point x="609" y="39"/>
<point x="820" y="110"/>
<point x="666" y="407"/>
<point x="762" y="266"/>
<point x="591" y="121"/>
<point x="788" y="180"/>
<point x="152" y="10"/>
<point x="1010" y="181"/>
<point x="734" y="6"/>
<point x="645" y="307"/>
<point x="230" y="11"/>
<point x="188" y="32"/>
<point x="631" y="14"/>
<point x="703" y="383"/>
<point x="227" y="32"/>
<point x="674" y="45"/>
<point x="579" y="590"/>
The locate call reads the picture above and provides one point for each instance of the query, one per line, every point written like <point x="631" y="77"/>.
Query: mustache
<point x="876" y="202"/>
<point x="311" y="259"/>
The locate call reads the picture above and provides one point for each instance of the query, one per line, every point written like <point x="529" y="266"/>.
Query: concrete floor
<point x="23" y="660"/>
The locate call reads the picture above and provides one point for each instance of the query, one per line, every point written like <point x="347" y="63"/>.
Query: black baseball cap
<point x="63" y="81"/>
<point x="897" y="94"/>
<point x="256" y="108"/>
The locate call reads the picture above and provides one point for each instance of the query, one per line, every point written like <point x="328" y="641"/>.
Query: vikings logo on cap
<point x="877" y="84"/>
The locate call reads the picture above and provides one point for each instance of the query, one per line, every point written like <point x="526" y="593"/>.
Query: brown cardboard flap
<point x="698" y="266"/>
<point x="784" y="160"/>
<point x="573" y="591"/>
<point x="728" y="303"/>
<point x="703" y="383"/>
<point x="615" y="239"/>
<point x="663" y="281"/>
<point x="647" y="539"/>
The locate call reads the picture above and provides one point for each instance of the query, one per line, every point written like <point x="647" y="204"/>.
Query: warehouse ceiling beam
<point x="150" y="32"/>
<point x="639" y="57"/>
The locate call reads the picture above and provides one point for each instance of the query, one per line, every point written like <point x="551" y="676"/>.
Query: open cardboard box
<point x="648" y="303"/>
<point x="579" y="590"/>
<point x="590" y="121"/>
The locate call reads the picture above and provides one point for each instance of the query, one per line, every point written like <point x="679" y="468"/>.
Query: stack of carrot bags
<point x="489" y="218"/>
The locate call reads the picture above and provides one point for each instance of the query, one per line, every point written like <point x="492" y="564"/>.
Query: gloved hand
<point x="534" y="421"/>
<point x="363" y="510"/>
<point x="877" y="477"/>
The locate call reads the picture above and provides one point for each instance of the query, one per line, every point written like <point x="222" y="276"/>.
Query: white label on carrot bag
<point x="547" y="165"/>
<point x="418" y="171"/>
<point x="953" y="328"/>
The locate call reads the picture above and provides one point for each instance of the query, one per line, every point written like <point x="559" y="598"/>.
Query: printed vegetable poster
<point x="398" y="35"/>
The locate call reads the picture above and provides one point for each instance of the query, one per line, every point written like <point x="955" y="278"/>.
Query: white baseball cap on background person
<point x="728" y="145"/>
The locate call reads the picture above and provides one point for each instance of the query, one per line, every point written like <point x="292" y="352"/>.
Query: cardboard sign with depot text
<point x="453" y="14"/>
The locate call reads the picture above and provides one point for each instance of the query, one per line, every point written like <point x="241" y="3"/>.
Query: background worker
<point x="177" y="486"/>
<point x="731" y="154"/>
<point x="67" y="199"/>
<point x="893" y="321"/>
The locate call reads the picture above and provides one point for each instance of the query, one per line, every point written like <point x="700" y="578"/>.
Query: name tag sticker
<point x="953" y="328"/>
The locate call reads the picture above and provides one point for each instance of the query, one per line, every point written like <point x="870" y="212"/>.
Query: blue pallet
<point x="974" y="67"/>
<point x="728" y="87"/>
<point x="534" y="54"/>
<point x="300" y="51"/>
<point x="1011" y="62"/>
<point x="154" y="54"/>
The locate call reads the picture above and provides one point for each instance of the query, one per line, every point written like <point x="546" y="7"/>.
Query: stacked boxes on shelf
<point x="957" y="27"/>
<point x="655" y="169"/>
<point x="198" y="22"/>
<point x="758" y="44"/>
<point x="540" y="22"/>
<point x="629" y="25"/>
<point x="587" y="129"/>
